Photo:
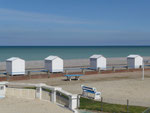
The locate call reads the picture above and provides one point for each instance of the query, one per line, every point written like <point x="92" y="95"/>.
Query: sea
<point x="70" y="52"/>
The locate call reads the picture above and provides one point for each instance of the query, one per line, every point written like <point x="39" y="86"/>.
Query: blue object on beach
<point x="72" y="68"/>
<point x="89" y="68"/>
<point x="73" y="75"/>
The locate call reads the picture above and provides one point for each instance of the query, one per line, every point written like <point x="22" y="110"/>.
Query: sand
<point x="115" y="87"/>
<point x="18" y="105"/>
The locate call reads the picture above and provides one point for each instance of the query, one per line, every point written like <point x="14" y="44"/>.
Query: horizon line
<point x="66" y="45"/>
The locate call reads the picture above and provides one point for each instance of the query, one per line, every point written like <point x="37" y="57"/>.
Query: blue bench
<point x="73" y="75"/>
<point x="86" y="90"/>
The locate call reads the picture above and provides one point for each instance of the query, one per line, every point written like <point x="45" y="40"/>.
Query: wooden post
<point x="143" y="71"/>
<point x="48" y="73"/>
<point x="99" y="70"/>
<point x="113" y="68"/>
<point x="66" y="72"/>
<point x="127" y="106"/>
<point x="29" y="74"/>
<point x="7" y="75"/>
<point x="83" y="71"/>
<point x="127" y="67"/>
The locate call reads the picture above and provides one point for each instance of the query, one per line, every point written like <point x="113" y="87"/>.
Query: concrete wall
<point x="20" y="93"/>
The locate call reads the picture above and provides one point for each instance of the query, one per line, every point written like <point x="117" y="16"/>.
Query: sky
<point x="74" y="22"/>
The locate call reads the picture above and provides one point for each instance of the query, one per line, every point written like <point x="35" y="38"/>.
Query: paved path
<point x="18" y="105"/>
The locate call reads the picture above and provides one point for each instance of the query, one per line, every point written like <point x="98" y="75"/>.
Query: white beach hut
<point x="15" y="66"/>
<point x="98" y="61"/>
<point x="54" y="64"/>
<point x="134" y="61"/>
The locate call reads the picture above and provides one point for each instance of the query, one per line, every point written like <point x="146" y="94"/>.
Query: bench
<point x="75" y="75"/>
<point x="86" y="90"/>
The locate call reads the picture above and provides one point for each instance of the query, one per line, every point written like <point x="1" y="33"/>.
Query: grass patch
<point x="45" y="89"/>
<point x="29" y="87"/>
<point x="50" y="91"/>
<point x="110" y="108"/>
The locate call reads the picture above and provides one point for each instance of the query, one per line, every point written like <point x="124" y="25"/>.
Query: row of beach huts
<point x="16" y="66"/>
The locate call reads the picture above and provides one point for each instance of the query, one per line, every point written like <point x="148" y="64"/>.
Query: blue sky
<point x="74" y="22"/>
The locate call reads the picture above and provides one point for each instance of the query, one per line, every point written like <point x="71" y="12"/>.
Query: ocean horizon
<point x="70" y="52"/>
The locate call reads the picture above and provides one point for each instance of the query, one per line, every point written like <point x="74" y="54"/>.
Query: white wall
<point x="98" y="63"/>
<point x="138" y="62"/>
<point x="55" y="65"/>
<point x="101" y="63"/>
<point x="16" y="67"/>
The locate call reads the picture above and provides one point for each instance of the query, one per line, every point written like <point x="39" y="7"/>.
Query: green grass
<point x="89" y="104"/>
<point x="48" y="90"/>
<point x="29" y="87"/>
<point x="45" y="89"/>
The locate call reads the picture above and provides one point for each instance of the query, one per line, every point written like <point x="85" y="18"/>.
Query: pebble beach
<point x="39" y="64"/>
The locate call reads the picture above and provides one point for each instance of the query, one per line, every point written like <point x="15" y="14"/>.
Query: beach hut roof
<point x="133" y="56"/>
<point x="96" y="56"/>
<point x="51" y="57"/>
<point x="13" y="58"/>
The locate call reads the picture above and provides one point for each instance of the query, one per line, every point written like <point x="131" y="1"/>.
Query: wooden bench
<point x="86" y="90"/>
<point x="73" y="75"/>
